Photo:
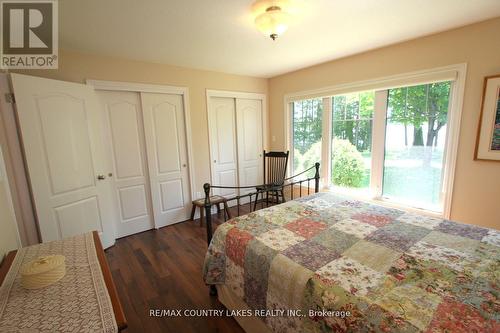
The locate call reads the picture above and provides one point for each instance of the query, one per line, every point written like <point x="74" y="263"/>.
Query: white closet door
<point x="166" y="147"/>
<point x="131" y="191"/>
<point x="64" y="148"/>
<point x="249" y="129"/>
<point x="224" y="157"/>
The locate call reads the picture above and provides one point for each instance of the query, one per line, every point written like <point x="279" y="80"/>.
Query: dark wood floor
<point x="162" y="269"/>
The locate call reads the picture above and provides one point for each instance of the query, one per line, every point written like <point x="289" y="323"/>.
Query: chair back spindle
<point x="275" y="164"/>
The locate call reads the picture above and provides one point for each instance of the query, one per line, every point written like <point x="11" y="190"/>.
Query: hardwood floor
<point x="162" y="269"/>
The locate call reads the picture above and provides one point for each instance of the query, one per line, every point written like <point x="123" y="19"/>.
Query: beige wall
<point x="476" y="197"/>
<point x="78" y="67"/>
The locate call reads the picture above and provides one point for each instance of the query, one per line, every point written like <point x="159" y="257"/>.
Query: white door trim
<point x="136" y="87"/>
<point x="162" y="89"/>
<point x="237" y="94"/>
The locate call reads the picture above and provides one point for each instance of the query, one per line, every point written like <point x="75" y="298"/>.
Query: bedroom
<point x="368" y="86"/>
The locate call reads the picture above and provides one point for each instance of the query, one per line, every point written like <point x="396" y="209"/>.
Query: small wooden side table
<point x="214" y="200"/>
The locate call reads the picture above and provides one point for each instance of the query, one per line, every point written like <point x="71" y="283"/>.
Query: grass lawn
<point x="419" y="184"/>
<point x="406" y="178"/>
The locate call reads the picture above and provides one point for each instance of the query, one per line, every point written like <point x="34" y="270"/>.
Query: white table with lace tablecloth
<point x="84" y="300"/>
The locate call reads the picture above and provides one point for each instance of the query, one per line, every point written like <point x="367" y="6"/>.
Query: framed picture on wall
<point x="488" y="136"/>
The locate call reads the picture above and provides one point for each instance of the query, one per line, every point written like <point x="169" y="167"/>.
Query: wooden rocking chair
<point x="275" y="164"/>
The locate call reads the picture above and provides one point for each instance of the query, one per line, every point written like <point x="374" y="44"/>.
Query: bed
<point x="326" y="263"/>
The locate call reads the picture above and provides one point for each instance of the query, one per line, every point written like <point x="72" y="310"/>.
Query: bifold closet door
<point x="62" y="135"/>
<point x="249" y="130"/>
<point x="130" y="181"/>
<point x="223" y="147"/>
<point x="165" y="133"/>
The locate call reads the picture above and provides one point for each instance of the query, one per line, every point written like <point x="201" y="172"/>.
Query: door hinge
<point x="10" y="98"/>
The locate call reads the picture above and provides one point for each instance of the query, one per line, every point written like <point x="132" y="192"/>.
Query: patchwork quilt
<point x="390" y="270"/>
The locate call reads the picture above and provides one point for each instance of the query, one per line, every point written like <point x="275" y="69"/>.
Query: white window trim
<point x="378" y="143"/>
<point x="325" y="171"/>
<point x="455" y="73"/>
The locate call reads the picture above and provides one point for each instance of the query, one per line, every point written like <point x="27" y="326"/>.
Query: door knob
<point x="101" y="177"/>
<point x="215" y="161"/>
<point x="184" y="165"/>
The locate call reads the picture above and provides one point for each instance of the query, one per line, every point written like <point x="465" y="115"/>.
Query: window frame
<point x="454" y="73"/>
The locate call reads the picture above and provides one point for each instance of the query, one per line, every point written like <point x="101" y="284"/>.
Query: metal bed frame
<point x="289" y="182"/>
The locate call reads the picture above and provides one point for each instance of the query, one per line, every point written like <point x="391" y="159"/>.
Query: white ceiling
<point x="220" y="35"/>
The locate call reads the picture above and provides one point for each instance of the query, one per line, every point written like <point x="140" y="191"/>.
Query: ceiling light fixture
<point x="272" y="18"/>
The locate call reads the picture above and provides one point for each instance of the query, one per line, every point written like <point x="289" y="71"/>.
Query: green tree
<point x="352" y="118"/>
<point x="307" y="123"/>
<point x="347" y="164"/>
<point x="419" y="105"/>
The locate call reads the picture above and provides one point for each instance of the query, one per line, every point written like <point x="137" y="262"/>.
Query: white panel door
<point x="222" y="132"/>
<point x="130" y="182"/>
<point x="249" y="129"/>
<point x="166" y="148"/>
<point x="64" y="148"/>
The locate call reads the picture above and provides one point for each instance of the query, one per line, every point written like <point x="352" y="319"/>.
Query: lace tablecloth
<point x="79" y="302"/>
